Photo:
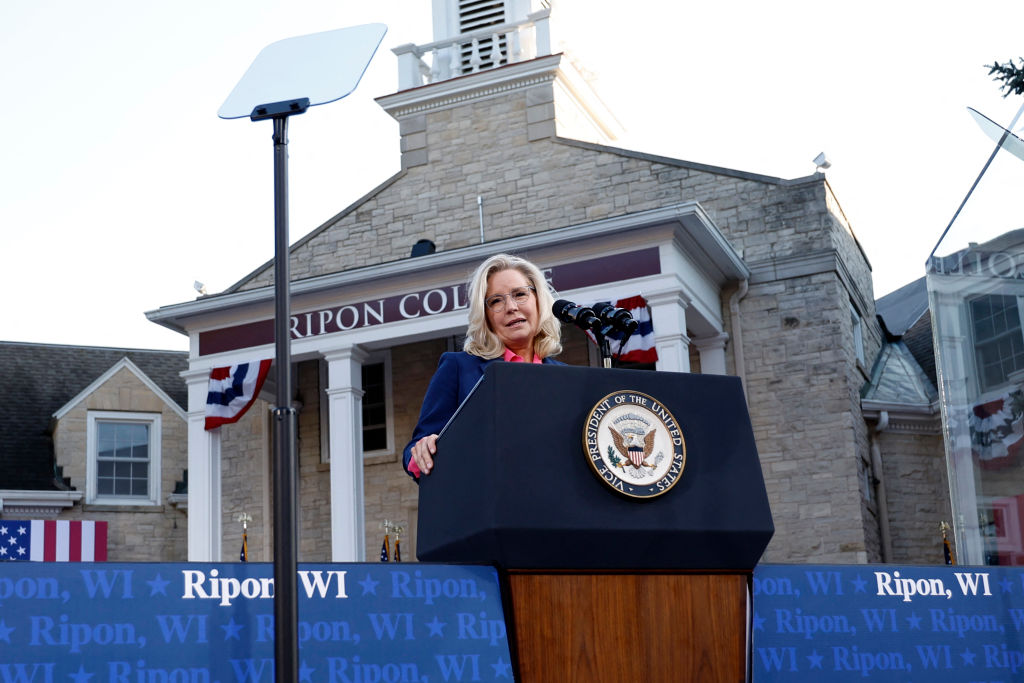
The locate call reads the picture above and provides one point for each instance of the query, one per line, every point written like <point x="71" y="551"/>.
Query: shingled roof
<point x="905" y="317"/>
<point x="902" y="309"/>
<point x="39" y="379"/>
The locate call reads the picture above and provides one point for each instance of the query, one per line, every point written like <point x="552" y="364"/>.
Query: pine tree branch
<point x="1011" y="76"/>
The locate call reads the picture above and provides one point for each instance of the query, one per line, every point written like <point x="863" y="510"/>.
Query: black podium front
<point x="513" y="487"/>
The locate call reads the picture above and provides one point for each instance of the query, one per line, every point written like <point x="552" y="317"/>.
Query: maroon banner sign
<point x="421" y="304"/>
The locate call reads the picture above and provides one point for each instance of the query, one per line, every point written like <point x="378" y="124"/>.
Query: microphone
<point x="580" y="316"/>
<point x="616" y="318"/>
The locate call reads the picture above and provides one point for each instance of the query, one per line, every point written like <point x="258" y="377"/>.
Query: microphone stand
<point x="605" y="345"/>
<point x="605" y="348"/>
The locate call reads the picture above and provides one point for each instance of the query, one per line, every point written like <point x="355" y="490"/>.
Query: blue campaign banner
<point x="888" y="623"/>
<point x="214" y="623"/>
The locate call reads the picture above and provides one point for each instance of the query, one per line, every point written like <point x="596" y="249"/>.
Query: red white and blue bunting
<point x="233" y="390"/>
<point x="997" y="429"/>
<point x="639" y="347"/>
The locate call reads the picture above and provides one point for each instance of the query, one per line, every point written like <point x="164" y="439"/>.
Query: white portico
<point x="675" y="257"/>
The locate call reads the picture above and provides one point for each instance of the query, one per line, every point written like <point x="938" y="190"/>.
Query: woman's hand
<point x="423" y="453"/>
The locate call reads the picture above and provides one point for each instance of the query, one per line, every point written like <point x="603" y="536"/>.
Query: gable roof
<point x="126" y="364"/>
<point x="903" y="375"/>
<point x="326" y="225"/>
<point x="897" y="379"/>
<point x="904" y="316"/>
<point x="39" y="379"/>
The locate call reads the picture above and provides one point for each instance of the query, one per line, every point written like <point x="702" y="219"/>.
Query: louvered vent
<point x="475" y="15"/>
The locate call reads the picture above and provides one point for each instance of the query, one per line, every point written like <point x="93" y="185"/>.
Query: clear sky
<point x="120" y="186"/>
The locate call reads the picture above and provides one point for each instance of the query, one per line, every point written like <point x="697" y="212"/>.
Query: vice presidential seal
<point x="634" y="444"/>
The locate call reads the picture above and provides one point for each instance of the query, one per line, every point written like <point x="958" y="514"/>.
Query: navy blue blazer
<point x="457" y="373"/>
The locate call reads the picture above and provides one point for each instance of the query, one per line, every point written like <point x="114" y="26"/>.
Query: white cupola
<point x="484" y="49"/>
<point x="475" y="35"/>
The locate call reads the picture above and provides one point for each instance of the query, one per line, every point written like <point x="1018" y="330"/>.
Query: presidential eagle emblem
<point x="635" y="441"/>
<point x="634" y="444"/>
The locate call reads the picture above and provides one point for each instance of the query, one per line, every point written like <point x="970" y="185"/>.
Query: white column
<point x="668" y="317"/>
<point x="542" y="31"/>
<point x="204" y="477"/>
<point x="345" y="406"/>
<point x="712" y="353"/>
<point x="409" y="63"/>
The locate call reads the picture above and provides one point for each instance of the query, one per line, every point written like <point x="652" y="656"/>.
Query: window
<point x="123" y="466"/>
<point x="998" y="344"/>
<point x="858" y="334"/>
<point x="375" y="408"/>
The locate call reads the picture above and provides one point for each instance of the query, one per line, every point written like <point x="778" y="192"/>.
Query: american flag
<point x="40" y="540"/>
<point x="232" y="390"/>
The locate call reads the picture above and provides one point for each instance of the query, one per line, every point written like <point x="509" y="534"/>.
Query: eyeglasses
<point x="496" y="302"/>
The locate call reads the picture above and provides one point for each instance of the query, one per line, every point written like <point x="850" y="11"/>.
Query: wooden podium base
<point x="568" y="627"/>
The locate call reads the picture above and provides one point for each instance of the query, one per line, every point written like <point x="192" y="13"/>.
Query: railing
<point x="509" y="43"/>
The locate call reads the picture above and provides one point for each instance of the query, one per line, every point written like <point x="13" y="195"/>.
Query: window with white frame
<point x="123" y="458"/>
<point x="998" y="341"/>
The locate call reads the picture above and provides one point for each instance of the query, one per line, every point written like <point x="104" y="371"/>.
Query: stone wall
<point x="917" y="491"/>
<point x="247" y="456"/>
<point x="800" y="409"/>
<point x="314" y="475"/>
<point x="245" y="484"/>
<point x="481" y="149"/>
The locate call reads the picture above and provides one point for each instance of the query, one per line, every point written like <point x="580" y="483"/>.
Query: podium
<point x="603" y="585"/>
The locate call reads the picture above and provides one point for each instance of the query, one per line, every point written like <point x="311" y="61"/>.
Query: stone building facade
<point x="151" y="530"/>
<point x="744" y="274"/>
<point x="69" y="403"/>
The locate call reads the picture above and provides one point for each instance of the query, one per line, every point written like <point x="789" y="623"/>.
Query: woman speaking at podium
<point x="510" y="320"/>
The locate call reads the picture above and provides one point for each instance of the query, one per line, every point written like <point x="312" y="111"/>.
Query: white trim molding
<point x="47" y="504"/>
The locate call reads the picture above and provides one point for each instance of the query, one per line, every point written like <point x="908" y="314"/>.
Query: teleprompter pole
<point x="286" y="650"/>
<point x="326" y="67"/>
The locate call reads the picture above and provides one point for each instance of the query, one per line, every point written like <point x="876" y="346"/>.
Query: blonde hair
<point x="481" y="339"/>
